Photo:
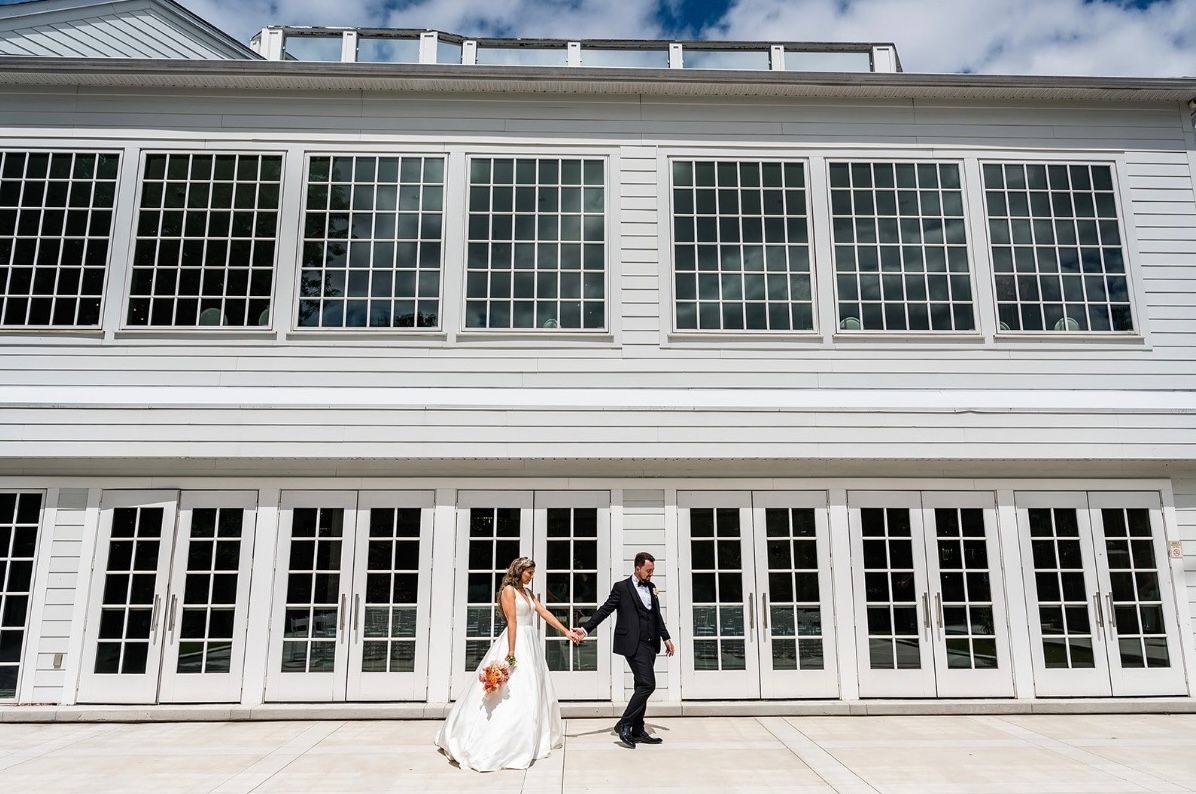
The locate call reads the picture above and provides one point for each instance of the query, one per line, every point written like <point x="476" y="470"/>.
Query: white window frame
<point x="114" y="234"/>
<point x="1129" y="245"/>
<point x="611" y="273"/>
<point x="927" y="157"/>
<point x="281" y="232"/>
<point x="416" y="332"/>
<point x="670" y="333"/>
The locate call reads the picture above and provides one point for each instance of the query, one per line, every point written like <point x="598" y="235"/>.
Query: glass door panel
<point x="1067" y="619"/>
<point x="971" y="642"/>
<point x="20" y="517"/>
<point x="204" y="651"/>
<point x="309" y="649"/>
<point x="717" y="559"/>
<point x="493" y="528"/>
<point x="388" y="658"/>
<point x="572" y="552"/>
<point x="1140" y="619"/>
<point x="894" y="632"/>
<point x="122" y="650"/>
<point x="796" y="626"/>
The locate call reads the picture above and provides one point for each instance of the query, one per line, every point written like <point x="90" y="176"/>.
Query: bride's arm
<point x="551" y="620"/>
<point x="507" y="602"/>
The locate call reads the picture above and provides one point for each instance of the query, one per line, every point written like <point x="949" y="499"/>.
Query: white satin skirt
<point x="514" y="727"/>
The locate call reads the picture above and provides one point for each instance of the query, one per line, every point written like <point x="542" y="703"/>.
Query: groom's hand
<point x="669" y="648"/>
<point x="580" y="635"/>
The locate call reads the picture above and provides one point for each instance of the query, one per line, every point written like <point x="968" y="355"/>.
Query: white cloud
<point x="1104" y="37"/>
<point x="1009" y="37"/>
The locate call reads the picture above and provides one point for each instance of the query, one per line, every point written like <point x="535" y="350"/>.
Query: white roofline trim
<point x="318" y="76"/>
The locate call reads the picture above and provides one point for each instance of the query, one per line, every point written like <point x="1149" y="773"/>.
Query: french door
<point x="567" y="533"/>
<point x="351" y="609"/>
<point x="1103" y="620"/>
<point x="929" y="606"/>
<point x="167" y="623"/>
<point x="756" y="583"/>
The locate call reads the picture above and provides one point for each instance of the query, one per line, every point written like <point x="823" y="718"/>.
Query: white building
<point x="299" y="346"/>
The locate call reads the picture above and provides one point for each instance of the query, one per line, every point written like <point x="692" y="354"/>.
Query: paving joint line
<point x="841" y="766"/>
<point x="1066" y="749"/>
<point x="19" y="757"/>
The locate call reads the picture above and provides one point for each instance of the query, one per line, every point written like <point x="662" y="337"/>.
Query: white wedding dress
<point x="516" y="725"/>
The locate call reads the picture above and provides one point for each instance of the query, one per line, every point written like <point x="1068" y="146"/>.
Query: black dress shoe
<point x="643" y="737"/>
<point x="626" y="737"/>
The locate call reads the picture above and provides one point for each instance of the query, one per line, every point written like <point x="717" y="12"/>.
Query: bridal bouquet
<point x="493" y="676"/>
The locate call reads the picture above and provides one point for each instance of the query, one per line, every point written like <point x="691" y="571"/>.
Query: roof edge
<point x="531" y="79"/>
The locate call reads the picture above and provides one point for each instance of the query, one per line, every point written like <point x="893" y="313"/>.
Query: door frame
<point x="909" y="682"/>
<point x="1064" y="681"/>
<point x="718" y="684"/>
<point x="963" y="683"/>
<point x="569" y="685"/>
<point x="790" y="684"/>
<point x="310" y="687"/>
<point x="523" y="501"/>
<point x="378" y="685"/>
<point x="109" y="688"/>
<point x="174" y="687"/>
<point x="1147" y="681"/>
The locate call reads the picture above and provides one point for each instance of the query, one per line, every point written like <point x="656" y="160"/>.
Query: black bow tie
<point x="641" y="583"/>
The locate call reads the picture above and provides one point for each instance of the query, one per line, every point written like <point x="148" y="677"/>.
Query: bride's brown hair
<point x="514" y="574"/>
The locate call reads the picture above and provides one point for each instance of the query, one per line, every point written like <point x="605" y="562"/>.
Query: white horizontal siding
<point x="129" y="33"/>
<point x="54" y="634"/>
<point x="1185" y="513"/>
<point x="643" y="530"/>
<point x="1161" y="213"/>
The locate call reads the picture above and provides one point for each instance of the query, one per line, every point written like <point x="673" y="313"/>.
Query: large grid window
<point x="901" y="254"/>
<point x="795" y="611"/>
<point x="313" y="584"/>
<point x="741" y="246"/>
<point x="1058" y="261"/>
<point x="716" y="551"/>
<point x="571" y="584"/>
<point x="55" y="231"/>
<point x="1138" y="612"/>
<point x="894" y="636"/>
<point x="206" y="630"/>
<point x="1067" y="636"/>
<point x="19" y="517"/>
<point x="373" y="235"/>
<point x="536" y="255"/>
<point x="391" y="590"/>
<point x="207" y="228"/>
<point x="493" y="544"/>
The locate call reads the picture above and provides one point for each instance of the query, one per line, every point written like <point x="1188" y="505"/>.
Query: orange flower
<point x="493" y="676"/>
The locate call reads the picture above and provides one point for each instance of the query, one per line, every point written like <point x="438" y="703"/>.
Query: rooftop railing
<point x="388" y="45"/>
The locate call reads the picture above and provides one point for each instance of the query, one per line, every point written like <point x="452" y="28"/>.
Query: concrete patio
<point x="989" y="753"/>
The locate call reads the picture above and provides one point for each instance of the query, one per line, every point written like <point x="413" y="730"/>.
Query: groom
<point x="639" y="628"/>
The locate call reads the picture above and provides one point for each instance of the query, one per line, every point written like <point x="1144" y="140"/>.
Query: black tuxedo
<point x="638" y="632"/>
<point x="630" y="618"/>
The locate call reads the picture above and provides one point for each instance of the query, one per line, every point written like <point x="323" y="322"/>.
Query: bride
<point x="521" y="722"/>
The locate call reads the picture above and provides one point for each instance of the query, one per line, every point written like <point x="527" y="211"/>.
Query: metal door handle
<point x="764" y="609"/>
<point x="342" y="613"/>
<point x="174" y="603"/>
<point x="356" y="609"/>
<point x="751" y="613"/>
<point x="938" y="608"/>
<point x="926" y="613"/>
<point x="1112" y="614"/>
<point x="1100" y="617"/>
<point x="154" y="615"/>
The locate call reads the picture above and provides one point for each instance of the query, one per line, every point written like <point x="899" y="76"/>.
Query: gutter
<point x="439" y="78"/>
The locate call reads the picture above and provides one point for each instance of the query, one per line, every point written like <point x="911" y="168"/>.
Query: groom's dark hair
<point x="642" y="558"/>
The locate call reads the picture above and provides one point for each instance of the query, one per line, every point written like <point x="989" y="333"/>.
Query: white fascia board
<point x="833" y="400"/>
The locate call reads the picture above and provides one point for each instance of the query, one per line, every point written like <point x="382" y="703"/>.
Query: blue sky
<point x="1093" y="37"/>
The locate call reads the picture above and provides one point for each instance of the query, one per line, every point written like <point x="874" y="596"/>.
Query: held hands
<point x="577" y="635"/>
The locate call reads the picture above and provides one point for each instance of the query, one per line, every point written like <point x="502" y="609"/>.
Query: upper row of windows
<point x="205" y="243"/>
